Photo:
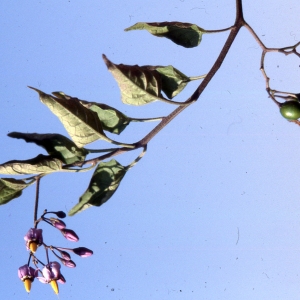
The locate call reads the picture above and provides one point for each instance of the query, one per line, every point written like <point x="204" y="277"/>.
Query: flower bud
<point x="60" y="214"/>
<point x="57" y="223"/>
<point x="68" y="263"/>
<point x="82" y="251"/>
<point x="70" y="235"/>
<point x="65" y="255"/>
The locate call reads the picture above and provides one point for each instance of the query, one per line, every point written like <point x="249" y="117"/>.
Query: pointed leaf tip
<point x="35" y="89"/>
<point x="82" y="124"/>
<point x="57" y="145"/>
<point x="139" y="85"/>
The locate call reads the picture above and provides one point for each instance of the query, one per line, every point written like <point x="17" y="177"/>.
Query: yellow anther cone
<point x="27" y="284"/>
<point x="54" y="286"/>
<point x="33" y="246"/>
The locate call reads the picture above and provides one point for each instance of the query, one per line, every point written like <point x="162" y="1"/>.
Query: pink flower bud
<point x="83" y="252"/>
<point x="65" y="255"/>
<point x="70" y="235"/>
<point x="60" y="214"/>
<point x="57" y="223"/>
<point x="68" y="263"/>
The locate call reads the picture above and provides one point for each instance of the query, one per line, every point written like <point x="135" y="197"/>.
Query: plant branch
<point x="258" y="40"/>
<point x="116" y="152"/>
<point x="233" y="33"/>
<point x="239" y="22"/>
<point x="239" y="18"/>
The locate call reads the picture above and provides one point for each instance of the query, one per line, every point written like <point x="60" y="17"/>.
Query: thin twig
<point x="145" y="119"/>
<point x="36" y="205"/>
<point x="217" y="30"/>
<point x="138" y="158"/>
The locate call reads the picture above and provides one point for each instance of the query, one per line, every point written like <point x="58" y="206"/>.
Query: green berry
<point x="290" y="110"/>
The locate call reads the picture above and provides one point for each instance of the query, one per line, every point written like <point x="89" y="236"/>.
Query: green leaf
<point x="173" y="81"/>
<point x="104" y="182"/>
<point x="57" y="145"/>
<point x="11" y="188"/>
<point x="138" y="85"/>
<point x="183" y="34"/>
<point x="112" y="119"/>
<point x="38" y="165"/>
<point x="82" y="124"/>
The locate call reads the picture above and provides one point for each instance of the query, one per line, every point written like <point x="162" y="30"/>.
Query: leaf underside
<point x="183" y="34"/>
<point x="138" y="85"/>
<point x="57" y="146"/>
<point x="38" y="165"/>
<point x="104" y="182"/>
<point x="11" y="188"/>
<point x="111" y="119"/>
<point x="141" y="85"/>
<point x="82" y="124"/>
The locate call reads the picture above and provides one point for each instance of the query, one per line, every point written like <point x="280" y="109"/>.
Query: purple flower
<point x="34" y="239"/>
<point x="82" y="251"/>
<point x="51" y="273"/>
<point x="70" y="235"/>
<point x="27" y="275"/>
<point x="57" y="223"/>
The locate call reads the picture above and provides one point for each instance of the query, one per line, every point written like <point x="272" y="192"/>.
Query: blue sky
<point x="212" y="211"/>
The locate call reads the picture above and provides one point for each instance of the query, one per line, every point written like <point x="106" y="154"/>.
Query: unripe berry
<point x="290" y="110"/>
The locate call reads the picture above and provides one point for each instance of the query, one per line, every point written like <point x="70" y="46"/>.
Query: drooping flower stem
<point x="47" y="255"/>
<point x="36" y="205"/>
<point x="29" y="258"/>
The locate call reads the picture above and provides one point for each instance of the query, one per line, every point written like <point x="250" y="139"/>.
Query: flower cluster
<point x="50" y="272"/>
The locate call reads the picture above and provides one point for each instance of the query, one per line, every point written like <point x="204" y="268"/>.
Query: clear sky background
<point x="212" y="211"/>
